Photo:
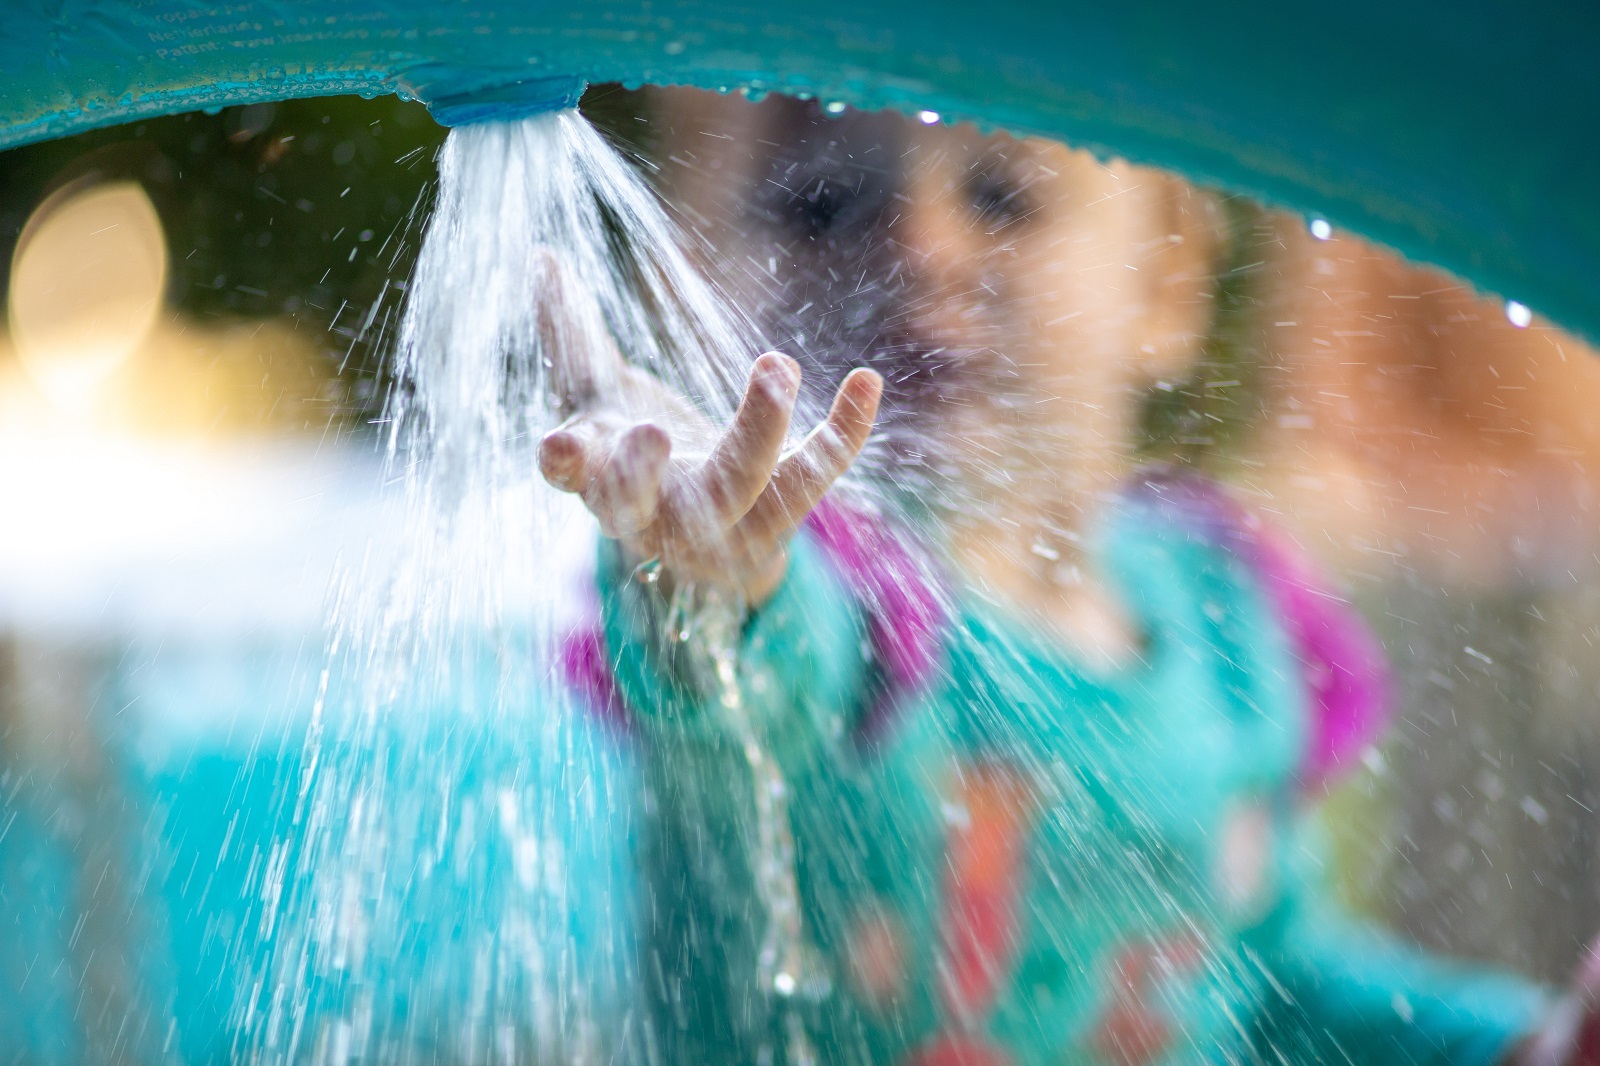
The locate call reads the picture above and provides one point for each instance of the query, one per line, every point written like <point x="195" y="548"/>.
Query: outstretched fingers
<point x="742" y="461"/>
<point x="802" y="477"/>
<point x="746" y="488"/>
<point x="569" y="454"/>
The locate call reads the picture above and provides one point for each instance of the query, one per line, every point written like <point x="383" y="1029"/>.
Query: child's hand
<point x="713" y="508"/>
<point x="1570" y="1036"/>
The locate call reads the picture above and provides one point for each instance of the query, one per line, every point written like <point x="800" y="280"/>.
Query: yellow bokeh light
<point x="87" y="284"/>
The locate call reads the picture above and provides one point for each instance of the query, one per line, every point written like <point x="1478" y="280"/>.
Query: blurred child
<point x="1038" y="787"/>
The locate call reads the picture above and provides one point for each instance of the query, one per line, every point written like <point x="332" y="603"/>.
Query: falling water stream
<point x="440" y="766"/>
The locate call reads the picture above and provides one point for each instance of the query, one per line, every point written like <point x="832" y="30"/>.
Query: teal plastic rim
<point x="1465" y="135"/>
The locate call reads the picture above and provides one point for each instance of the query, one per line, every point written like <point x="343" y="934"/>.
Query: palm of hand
<point x="712" y="507"/>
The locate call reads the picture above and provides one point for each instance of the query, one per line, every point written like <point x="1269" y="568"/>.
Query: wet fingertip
<point x="860" y="394"/>
<point x="777" y="369"/>
<point x="560" y="442"/>
<point x="863" y="376"/>
<point x="778" y="359"/>
<point x="639" y="460"/>
<point x="559" y="452"/>
<point x="650" y="439"/>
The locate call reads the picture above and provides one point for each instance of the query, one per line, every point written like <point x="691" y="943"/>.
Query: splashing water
<point x="425" y="906"/>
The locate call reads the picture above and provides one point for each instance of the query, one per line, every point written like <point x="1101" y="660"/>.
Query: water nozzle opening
<point x="505" y="101"/>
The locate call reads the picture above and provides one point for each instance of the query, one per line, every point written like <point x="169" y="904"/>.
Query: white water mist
<point x="424" y="907"/>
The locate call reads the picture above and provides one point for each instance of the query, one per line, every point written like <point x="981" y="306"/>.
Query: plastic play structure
<point x="1461" y="134"/>
<point x="1465" y="135"/>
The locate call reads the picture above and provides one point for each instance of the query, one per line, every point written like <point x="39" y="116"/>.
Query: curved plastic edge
<point x="1460" y="139"/>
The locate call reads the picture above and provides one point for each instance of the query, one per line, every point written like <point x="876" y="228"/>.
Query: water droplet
<point x="1321" y="229"/>
<point x="784" y="984"/>
<point x="928" y="118"/>
<point x="1518" y="314"/>
<point x="835" y="107"/>
<point x="1402" y="1007"/>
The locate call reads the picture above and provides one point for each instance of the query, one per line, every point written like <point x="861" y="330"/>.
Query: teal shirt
<point x="1161" y="874"/>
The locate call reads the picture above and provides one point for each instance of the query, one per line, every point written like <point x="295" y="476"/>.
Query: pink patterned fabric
<point x="905" y="622"/>
<point x="905" y="617"/>
<point x="586" y="668"/>
<point x="1345" y="667"/>
<point x="1343" y="664"/>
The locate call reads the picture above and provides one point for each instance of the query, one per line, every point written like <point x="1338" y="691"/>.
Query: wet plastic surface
<point x="1459" y="135"/>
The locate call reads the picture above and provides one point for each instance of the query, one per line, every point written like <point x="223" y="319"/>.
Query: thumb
<point x="571" y="335"/>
